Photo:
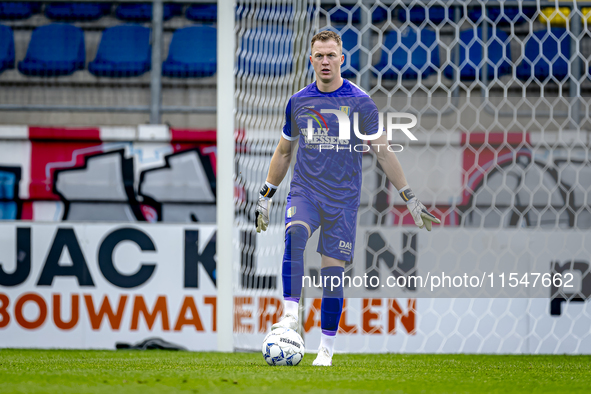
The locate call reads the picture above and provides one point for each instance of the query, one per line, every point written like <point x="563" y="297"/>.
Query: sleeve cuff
<point x="289" y="138"/>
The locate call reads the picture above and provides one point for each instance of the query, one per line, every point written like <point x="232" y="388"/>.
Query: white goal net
<point x="500" y="90"/>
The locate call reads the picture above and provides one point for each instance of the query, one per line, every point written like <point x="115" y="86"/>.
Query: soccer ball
<point x="283" y="346"/>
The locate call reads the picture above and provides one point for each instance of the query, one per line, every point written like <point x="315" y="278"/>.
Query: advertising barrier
<point x="92" y="285"/>
<point x="82" y="285"/>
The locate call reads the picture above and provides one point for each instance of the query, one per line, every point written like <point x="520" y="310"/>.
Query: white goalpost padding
<point x="225" y="175"/>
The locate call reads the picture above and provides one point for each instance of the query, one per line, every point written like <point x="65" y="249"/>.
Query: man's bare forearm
<point x="389" y="163"/>
<point x="280" y="162"/>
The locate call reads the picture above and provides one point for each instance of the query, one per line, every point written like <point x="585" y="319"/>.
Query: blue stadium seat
<point x="510" y="15"/>
<point x="124" y="51"/>
<point x="409" y="45"/>
<point x="106" y="8"/>
<point x="202" y="12"/>
<point x="192" y="53"/>
<point x="8" y="207"/>
<point x="342" y="16"/>
<point x="18" y="9"/>
<point x="553" y="58"/>
<point x="6" y="48"/>
<point x="351" y="64"/>
<point x="142" y="12"/>
<point x="379" y="15"/>
<point x="56" y="49"/>
<point x="266" y="51"/>
<point x="417" y="14"/>
<point x="499" y="55"/>
<point x="74" y="11"/>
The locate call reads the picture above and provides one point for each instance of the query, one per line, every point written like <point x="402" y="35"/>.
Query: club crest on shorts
<point x="345" y="109"/>
<point x="291" y="211"/>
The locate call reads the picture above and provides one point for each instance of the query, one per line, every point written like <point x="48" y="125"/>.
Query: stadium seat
<point x="417" y="15"/>
<point x="56" y="49"/>
<point x="499" y="55"/>
<point x="142" y="12"/>
<point x="510" y="15"/>
<point x="192" y="53"/>
<point x="74" y="11"/>
<point x="557" y="16"/>
<point x="553" y="58"/>
<point x="124" y="51"/>
<point x="202" y="12"/>
<point x="6" y="48"/>
<point x="350" y="40"/>
<point x="106" y="8"/>
<point x="266" y="51"/>
<point x="409" y="46"/>
<point x="340" y="15"/>
<point x="379" y="14"/>
<point x="18" y="9"/>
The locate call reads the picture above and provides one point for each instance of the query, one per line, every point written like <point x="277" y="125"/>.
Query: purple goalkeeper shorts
<point x="337" y="225"/>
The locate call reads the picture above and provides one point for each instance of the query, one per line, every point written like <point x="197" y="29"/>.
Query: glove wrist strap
<point x="406" y="194"/>
<point x="268" y="190"/>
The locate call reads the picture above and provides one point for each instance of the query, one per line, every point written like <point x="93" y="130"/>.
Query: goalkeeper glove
<point x="418" y="211"/>
<point x="261" y="220"/>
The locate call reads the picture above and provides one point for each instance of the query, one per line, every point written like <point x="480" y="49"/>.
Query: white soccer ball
<point x="283" y="346"/>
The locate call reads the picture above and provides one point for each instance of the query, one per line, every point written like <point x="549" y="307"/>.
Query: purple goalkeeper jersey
<point x="328" y="169"/>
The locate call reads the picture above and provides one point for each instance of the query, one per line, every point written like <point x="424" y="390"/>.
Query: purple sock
<point x="292" y="270"/>
<point x="332" y="299"/>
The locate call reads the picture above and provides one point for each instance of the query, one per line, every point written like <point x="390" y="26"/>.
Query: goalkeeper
<point x="325" y="189"/>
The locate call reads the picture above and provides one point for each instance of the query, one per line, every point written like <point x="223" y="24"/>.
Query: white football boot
<point x="323" y="359"/>
<point x="288" y="321"/>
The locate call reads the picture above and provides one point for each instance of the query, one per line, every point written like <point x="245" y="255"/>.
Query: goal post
<point x="225" y="175"/>
<point x="500" y="92"/>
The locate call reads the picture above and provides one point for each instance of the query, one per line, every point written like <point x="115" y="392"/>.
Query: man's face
<point x="326" y="59"/>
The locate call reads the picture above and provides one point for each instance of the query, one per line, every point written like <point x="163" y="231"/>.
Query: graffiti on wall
<point x="110" y="181"/>
<point x="509" y="183"/>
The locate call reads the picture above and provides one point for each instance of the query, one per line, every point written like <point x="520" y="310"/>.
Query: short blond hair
<point x="327" y="35"/>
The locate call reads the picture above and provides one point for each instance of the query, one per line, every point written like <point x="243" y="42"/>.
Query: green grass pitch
<point x="88" y="371"/>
